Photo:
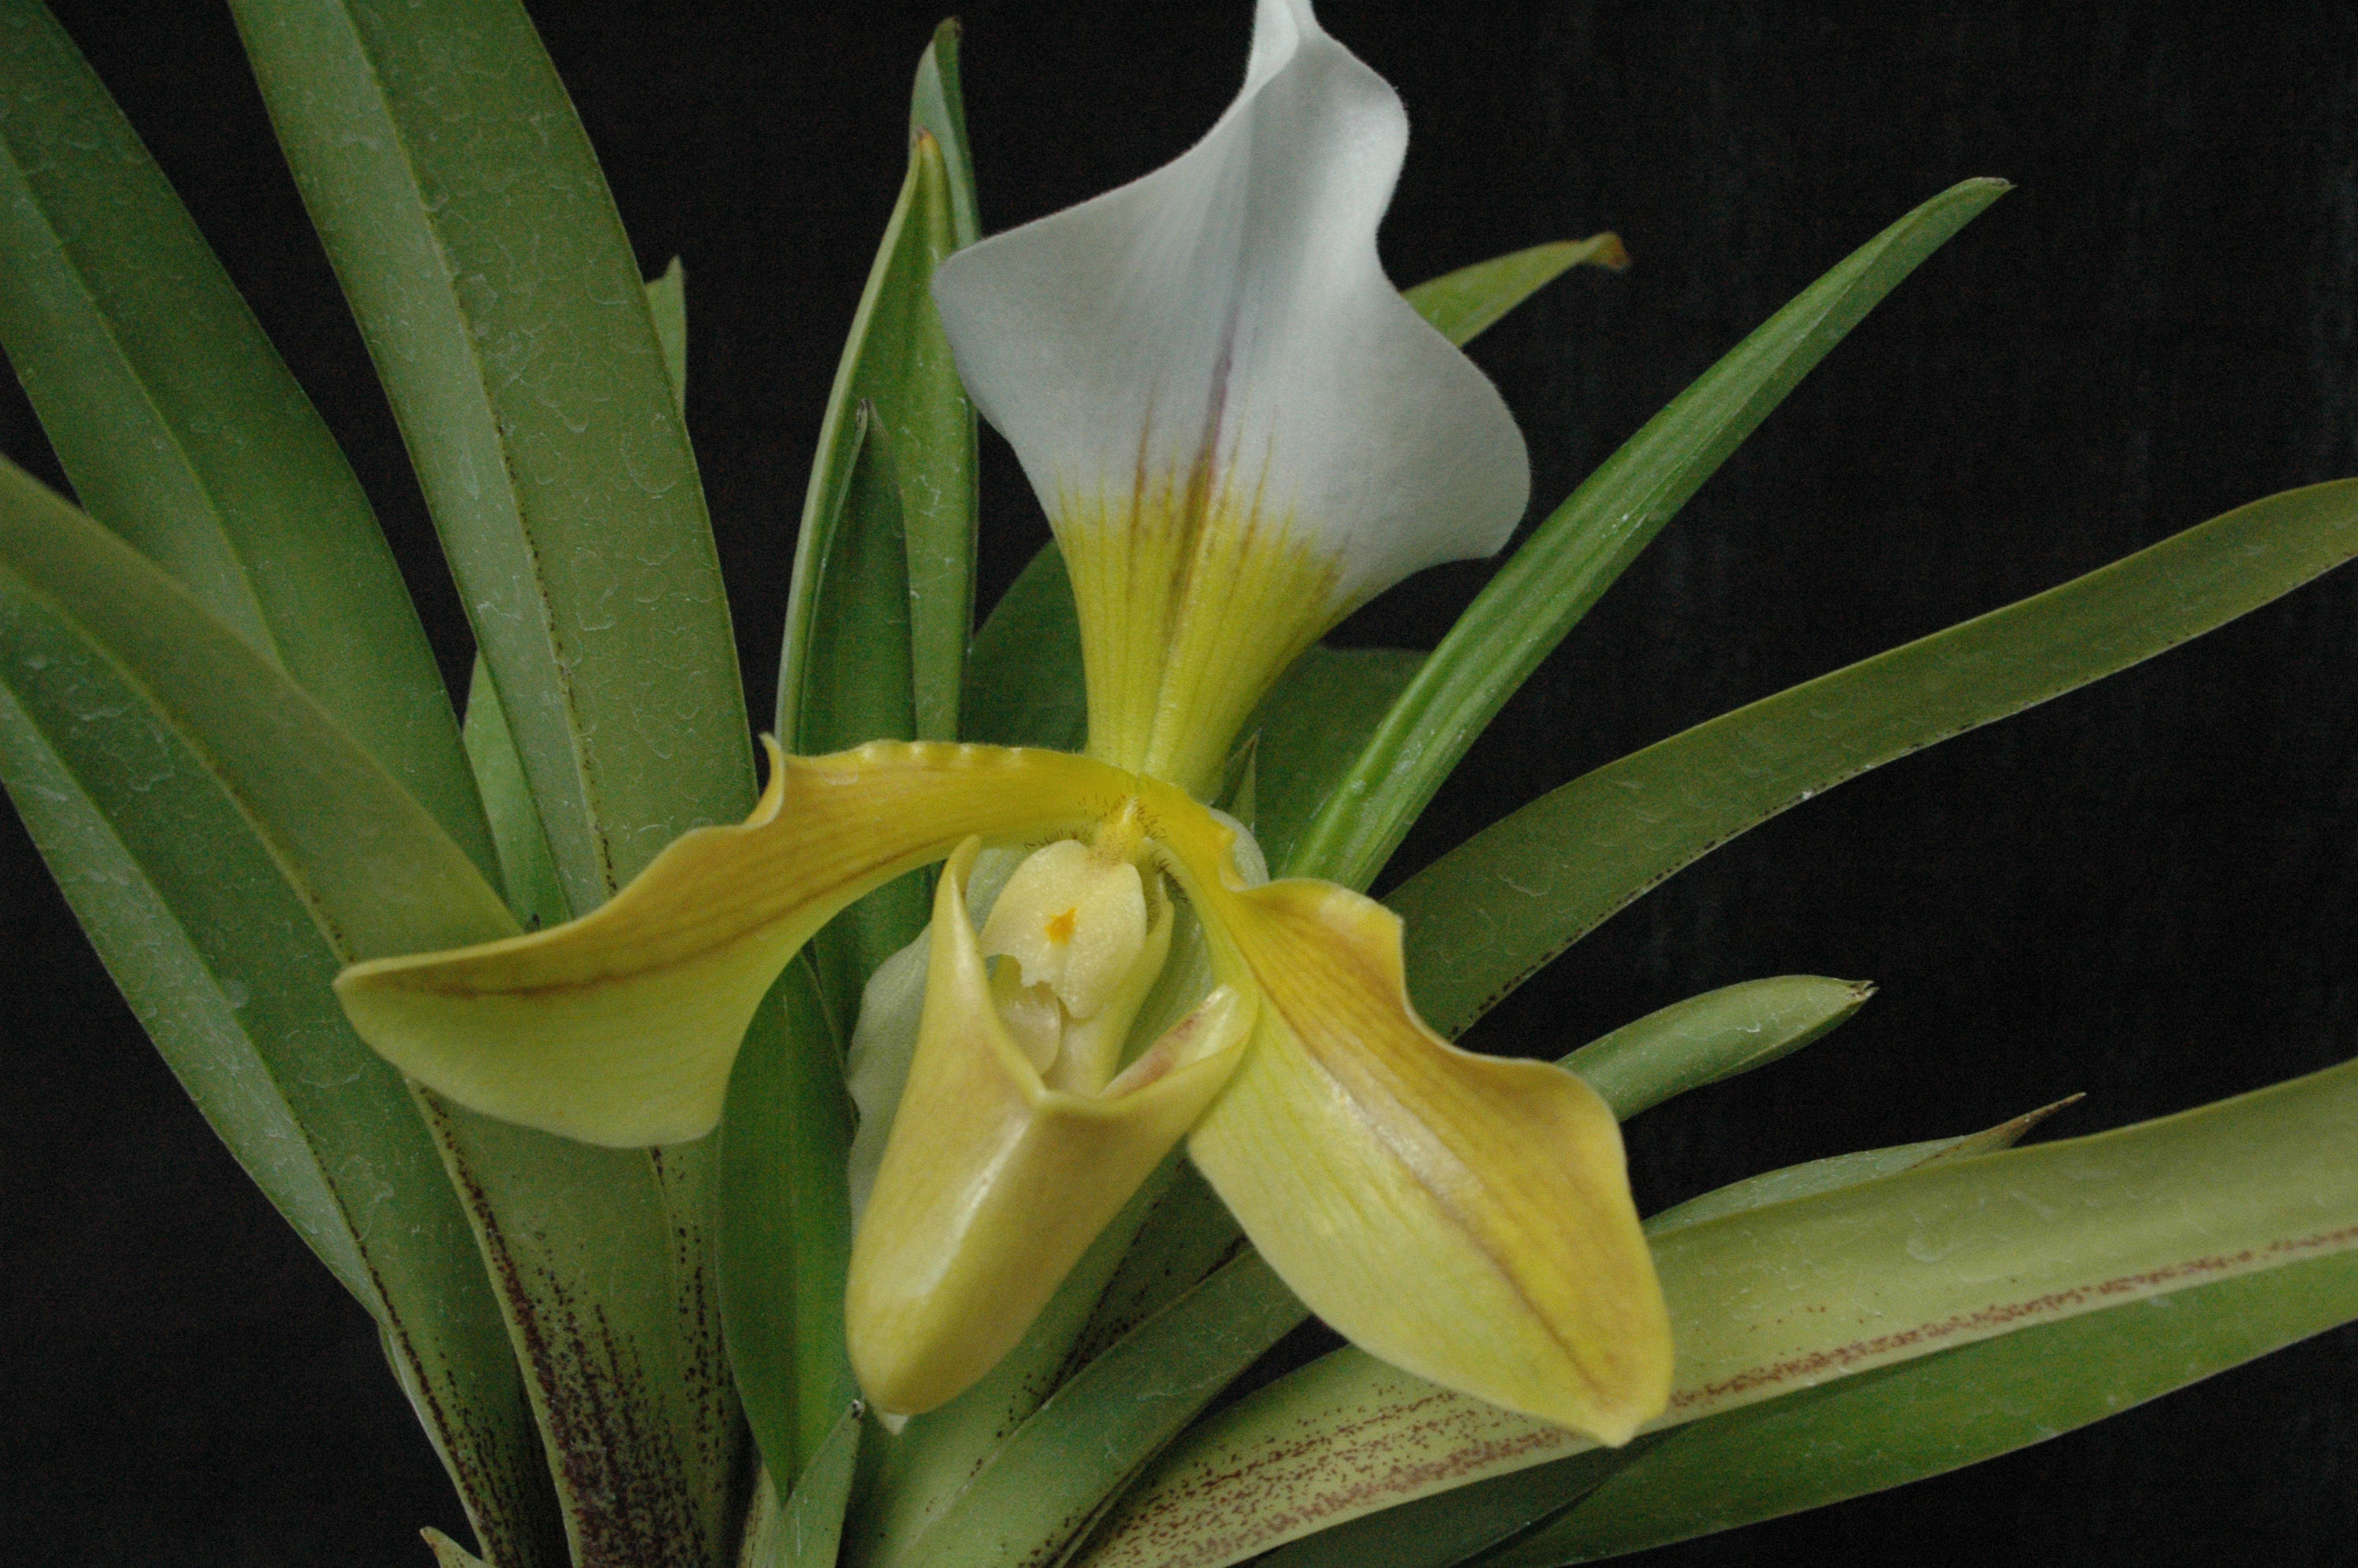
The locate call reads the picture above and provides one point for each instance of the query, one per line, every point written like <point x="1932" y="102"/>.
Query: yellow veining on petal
<point x="620" y="1028"/>
<point x="1193" y="596"/>
<point x="1465" y="1217"/>
<point x="993" y="1182"/>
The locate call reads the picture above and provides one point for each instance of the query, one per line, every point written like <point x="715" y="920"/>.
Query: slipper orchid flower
<point x="1240" y="432"/>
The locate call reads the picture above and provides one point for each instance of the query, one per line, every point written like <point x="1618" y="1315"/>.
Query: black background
<point x="2142" y="891"/>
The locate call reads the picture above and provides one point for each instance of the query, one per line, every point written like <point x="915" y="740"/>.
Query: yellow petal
<point x="993" y="1184"/>
<point x="1465" y="1217"/>
<point x="620" y="1028"/>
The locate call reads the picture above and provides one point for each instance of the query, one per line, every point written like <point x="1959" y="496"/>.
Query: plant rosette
<point x="942" y="1136"/>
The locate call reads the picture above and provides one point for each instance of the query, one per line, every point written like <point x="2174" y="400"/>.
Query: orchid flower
<point x="1240" y="432"/>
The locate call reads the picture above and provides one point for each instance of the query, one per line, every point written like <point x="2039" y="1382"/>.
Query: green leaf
<point x="1024" y="684"/>
<point x="897" y="359"/>
<point x="222" y="960"/>
<point x="937" y="107"/>
<point x="1716" y="1035"/>
<point x="1487" y="915"/>
<point x="602" y="1256"/>
<point x="1045" y="1484"/>
<point x="375" y="871"/>
<point x="504" y="307"/>
<point x="787" y="1126"/>
<point x="1566" y="566"/>
<point x="1467" y="302"/>
<point x="596" y="1253"/>
<point x="507" y="1175"/>
<point x="1444" y="1528"/>
<point x="1801" y="1293"/>
<point x="1923" y="1418"/>
<point x="667" y="312"/>
<point x="1846" y="1171"/>
<point x="1309" y="727"/>
<point x="785" y="1223"/>
<point x="552" y="1217"/>
<point x="806" y="1529"/>
<point x="449" y="1554"/>
<point x="181" y="428"/>
<point x="526" y="869"/>
<point x="858" y="688"/>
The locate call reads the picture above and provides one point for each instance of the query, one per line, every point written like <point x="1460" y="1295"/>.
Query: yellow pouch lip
<point x="993" y="1183"/>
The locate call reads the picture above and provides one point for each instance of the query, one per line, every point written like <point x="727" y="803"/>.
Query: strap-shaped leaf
<point x="860" y="687"/>
<point x="937" y="107"/>
<point x="787" y="1126"/>
<point x="785" y="1223"/>
<point x="1565" y="566"/>
<point x="503" y="305"/>
<point x="1464" y="303"/>
<point x="881" y="604"/>
<point x="1718" y="1035"/>
<point x="526" y="868"/>
<point x="1040" y="1487"/>
<point x="1439" y="1530"/>
<point x="1802" y="1292"/>
<point x="1309" y="729"/>
<point x="667" y="313"/>
<point x="503" y="308"/>
<point x="1923" y="1418"/>
<point x="181" y="428"/>
<point x="374" y="870"/>
<point x="896" y="361"/>
<point x="449" y="1554"/>
<point x="804" y="1529"/>
<point x="1846" y="1171"/>
<point x="551" y="1216"/>
<point x="224" y="971"/>
<point x="129" y="786"/>
<point x="1024" y="679"/>
<point x="860" y="617"/>
<point x="1484" y="917"/>
<point x="595" y="1254"/>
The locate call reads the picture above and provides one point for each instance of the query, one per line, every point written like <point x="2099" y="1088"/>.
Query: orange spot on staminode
<point x="1060" y="926"/>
